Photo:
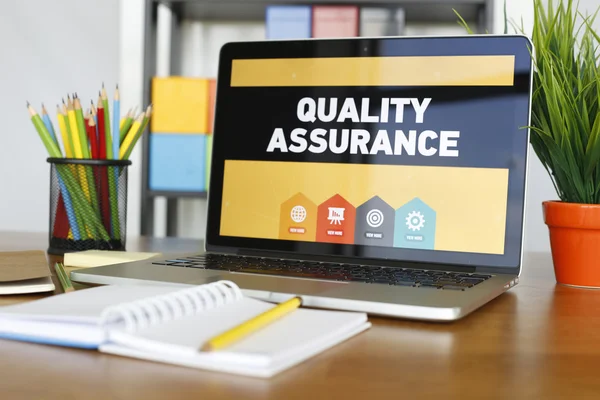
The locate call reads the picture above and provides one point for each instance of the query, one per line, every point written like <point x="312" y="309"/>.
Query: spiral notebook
<point x="169" y="324"/>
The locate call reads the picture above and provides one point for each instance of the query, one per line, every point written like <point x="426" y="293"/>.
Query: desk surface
<point x="539" y="340"/>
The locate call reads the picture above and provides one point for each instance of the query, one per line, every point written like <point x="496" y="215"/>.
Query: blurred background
<point x="65" y="46"/>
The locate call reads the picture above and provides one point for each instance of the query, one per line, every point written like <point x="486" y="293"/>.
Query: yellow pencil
<point x="252" y="325"/>
<point x="62" y="126"/>
<point x="131" y="135"/>
<point x="122" y="122"/>
<point x="74" y="130"/>
<point x="77" y="149"/>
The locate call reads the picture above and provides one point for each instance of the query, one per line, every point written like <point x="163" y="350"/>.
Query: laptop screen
<point x="407" y="149"/>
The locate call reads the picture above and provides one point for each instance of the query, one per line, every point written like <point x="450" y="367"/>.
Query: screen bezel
<point x="239" y="245"/>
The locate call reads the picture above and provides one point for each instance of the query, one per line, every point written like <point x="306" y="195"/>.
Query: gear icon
<point x="415" y="221"/>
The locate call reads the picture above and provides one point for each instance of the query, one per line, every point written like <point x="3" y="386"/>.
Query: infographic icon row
<point x="373" y="222"/>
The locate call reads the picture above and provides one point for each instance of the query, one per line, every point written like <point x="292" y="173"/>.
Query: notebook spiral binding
<point x="182" y="303"/>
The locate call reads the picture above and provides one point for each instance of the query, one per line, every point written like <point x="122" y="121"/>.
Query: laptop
<point x="383" y="175"/>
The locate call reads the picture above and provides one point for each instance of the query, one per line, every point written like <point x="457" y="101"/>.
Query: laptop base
<point x="421" y="303"/>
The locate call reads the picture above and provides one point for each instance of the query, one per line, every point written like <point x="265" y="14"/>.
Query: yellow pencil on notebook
<point x="252" y="325"/>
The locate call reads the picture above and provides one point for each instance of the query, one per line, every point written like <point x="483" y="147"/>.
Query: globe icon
<point x="298" y="214"/>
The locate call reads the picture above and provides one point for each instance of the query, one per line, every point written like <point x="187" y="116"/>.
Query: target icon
<point x="375" y="218"/>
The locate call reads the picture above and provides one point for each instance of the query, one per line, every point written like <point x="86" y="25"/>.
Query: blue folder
<point x="288" y="22"/>
<point x="177" y="162"/>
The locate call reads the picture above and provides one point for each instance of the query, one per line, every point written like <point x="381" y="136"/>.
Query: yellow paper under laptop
<point x="97" y="258"/>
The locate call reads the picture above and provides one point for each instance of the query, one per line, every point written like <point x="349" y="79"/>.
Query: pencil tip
<point x="117" y="86"/>
<point x="102" y="85"/>
<point x="27" y="104"/>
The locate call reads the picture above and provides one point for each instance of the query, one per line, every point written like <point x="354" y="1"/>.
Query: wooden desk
<point x="538" y="341"/>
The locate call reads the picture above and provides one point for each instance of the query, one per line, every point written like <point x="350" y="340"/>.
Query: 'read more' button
<point x="296" y="230"/>
<point x="374" y="235"/>
<point x="332" y="232"/>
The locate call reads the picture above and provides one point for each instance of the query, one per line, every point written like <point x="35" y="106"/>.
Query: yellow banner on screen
<point x="470" y="203"/>
<point x="375" y="71"/>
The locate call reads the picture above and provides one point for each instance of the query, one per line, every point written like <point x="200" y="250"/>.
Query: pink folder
<point x="335" y="21"/>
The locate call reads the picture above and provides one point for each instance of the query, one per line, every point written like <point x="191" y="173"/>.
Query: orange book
<point x="335" y="21"/>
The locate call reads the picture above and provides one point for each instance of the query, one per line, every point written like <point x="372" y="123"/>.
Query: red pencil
<point x="104" y="203"/>
<point x="91" y="132"/>
<point x="61" y="221"/>
<point x="101" y="130"/>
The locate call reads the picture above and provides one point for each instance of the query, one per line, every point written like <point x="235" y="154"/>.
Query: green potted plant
<point x="565" y="135"/>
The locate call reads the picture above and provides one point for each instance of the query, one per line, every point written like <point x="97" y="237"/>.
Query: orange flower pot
<point x="575" y="242"/>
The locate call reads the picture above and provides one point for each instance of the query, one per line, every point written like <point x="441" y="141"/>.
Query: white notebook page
<point x="83" y="306"/>
<point x="293" y="331"/>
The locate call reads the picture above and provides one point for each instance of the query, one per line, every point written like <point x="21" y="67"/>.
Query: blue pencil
<point x="48" y="123"/>
<point x="63" y="188"/>
<point x="69" y="209"/>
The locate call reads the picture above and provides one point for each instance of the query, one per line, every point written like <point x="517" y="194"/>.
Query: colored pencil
<point x="104" y="200"/>
<point x="94" y="112"/>
<point x="90" y="184"/>
<point x="143" y="119"/>
<point x="87" y="206"/>
<point x="50" y="145"/>
<point x="131" y="135"/>
<point x="42" y="131"/>
<point x="81" y="127"/>
<point x="63" y="278"/>
<point x="123" y="119"/>
<point x="126" y="124"/>
<point x="115" y="128"/>
<point x="63" y="132"/>
<point x="250" y="326"/>
<point x="101" y="130"/>
<point x="75" y="137"/>
<point x="108" y="137"/>
<point x="48" y="123"/>
<point x="111" y="176"/>
<point x="91" y="132"/>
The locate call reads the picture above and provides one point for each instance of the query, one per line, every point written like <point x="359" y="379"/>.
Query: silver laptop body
<point x="394" y="280"/>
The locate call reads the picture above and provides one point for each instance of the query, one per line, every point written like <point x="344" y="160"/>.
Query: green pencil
<point x="109" y="147"/>
<point x="50" y="144"/>
<point x="127" y="122"/>
<point x="85" y="149"/>
<point x="63" y="277"/>
<point x="139" y="132"/>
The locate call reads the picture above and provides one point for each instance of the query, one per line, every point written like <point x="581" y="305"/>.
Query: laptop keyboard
<point x="331" y="271"/>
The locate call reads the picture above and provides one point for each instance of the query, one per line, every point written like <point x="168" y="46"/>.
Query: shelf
<point x="478" y="13"/>
<point x="254" y="10"/>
